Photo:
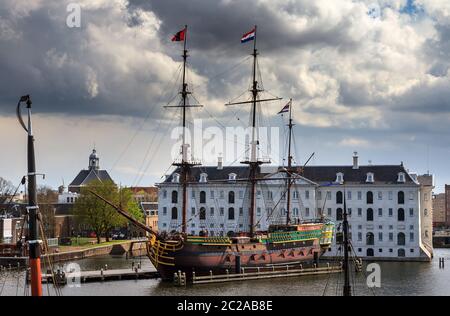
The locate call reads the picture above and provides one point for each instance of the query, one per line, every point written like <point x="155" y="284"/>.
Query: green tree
<point x="98" y="215"/>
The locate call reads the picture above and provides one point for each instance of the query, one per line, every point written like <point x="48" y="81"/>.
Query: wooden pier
<point x="257" y="274"/>
<point x="101" y="275"/>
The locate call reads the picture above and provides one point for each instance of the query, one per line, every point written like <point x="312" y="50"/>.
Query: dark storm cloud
<point x="218" y="25"/>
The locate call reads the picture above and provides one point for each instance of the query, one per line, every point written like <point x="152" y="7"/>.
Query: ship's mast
<point x="185" y="164"/>
<point x="254" y="162"/>
<point x="32" y="209"/>
<point x="289" y="168"/>
<point x="347" y="291"/>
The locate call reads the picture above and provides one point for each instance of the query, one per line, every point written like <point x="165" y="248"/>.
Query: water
<point x="408" y="278"/>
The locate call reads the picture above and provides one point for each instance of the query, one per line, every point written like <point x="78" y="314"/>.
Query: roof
<point x="86" y="176"/>
<point x="148" y="190"/>
<point x="149" y="206"/>
<point x="383" y="174"/>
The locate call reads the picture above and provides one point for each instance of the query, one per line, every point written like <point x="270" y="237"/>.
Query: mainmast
<point x="289" y="168"/>
<point x="185" y="164"/>
<point x="254" y="162"/>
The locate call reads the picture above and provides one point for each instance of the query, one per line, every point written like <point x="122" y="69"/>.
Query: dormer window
<point x="203" y="178"/>
<point x="370" y="178"/>
<point x="401" y="177"/>
<point x="340" y="178"/>
<point x="232" y="177"/>
<point x="176" y="178"/>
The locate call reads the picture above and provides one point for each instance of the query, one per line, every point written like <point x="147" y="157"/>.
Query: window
<point x="68" y="200"/>
<point x="211" y="193"/>
<point x="203" y="178"/>
<point x="164" y="210"/>
<point x="411" y="237"/>
<point x="340" y="178"/>
<point x="380" y="212"/>
<point x="369" y="217"/>
<point x="339" y="197"/>
<point x="222" y="195"/>
<point x="380" y="236"/>
<point x="425" y="212"/>
<point x="307" y="194"/>
<point x="270" y="195"/>
<point x="319" y="195"/>
<point x="193" y="194"/>
<point x="296" y="211"/>
<point x="202" y="213"/>
<point x="258" y="211"/>
<point x="359" y="195"/>
<point x="411" y="212"/>
<point x="202" y="197"/>
<point x="401" y="239"/>
<point x="174" y="196"/>
<point x="241" y="211"/>
<point x="411" y="195"/>
<point x="370" y="177"/>
<point x="339" y="214"/>
<point x="391" y="237"/>
<point x="370" y="239"/>
<point x="380" y="195"/>
<point x="164" y="194"/>
<point x="328" y="195"/>
<point x="176" y="178"/>
<point x="401" y="197"/>
<point x="390" y="195"/>
<point x="193" y="211"/>
<point x="221" y="211"/>
<point x="329" y="211"/>
<point x="211" y="211"/>
<point x="349" y="211"/>
<point x="401" y="215"/>
<point x="306" y="212"/>
<point x="241" y="194"/>
<point x="231" y="197"/>
<point x="174" y="213"/>
<point x="391" y="212"/>
<point x="359" y="212"/>
<point x="232" y="177"/>
<point x="370" y="252"/>
<point x="401" y="177"/>
<point x="369" y="197"/>
<point x="349" y="195"/>
<point x="231" y="213"/>
<point x="295" y="194"/>
<point x="359" y="236"/>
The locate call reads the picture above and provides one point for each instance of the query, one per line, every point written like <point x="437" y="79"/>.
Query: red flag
<point x="179" y="36"/>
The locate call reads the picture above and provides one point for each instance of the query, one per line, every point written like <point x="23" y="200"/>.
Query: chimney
<point x="355" y="160"/>
<point x="219" y="163"/>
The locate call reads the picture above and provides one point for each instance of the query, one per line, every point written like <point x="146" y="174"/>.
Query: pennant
<point x="180" y="36"/>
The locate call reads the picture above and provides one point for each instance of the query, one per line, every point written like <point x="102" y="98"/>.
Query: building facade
<point x="439" y="211"/>
<point x="389" y="210"/>
<point x="447" y="205"/>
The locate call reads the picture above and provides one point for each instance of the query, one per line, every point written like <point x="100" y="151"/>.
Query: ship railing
<point x="265" y="272"/>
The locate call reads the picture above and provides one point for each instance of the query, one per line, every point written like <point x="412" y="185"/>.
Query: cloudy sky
<point x="368" y="76"/>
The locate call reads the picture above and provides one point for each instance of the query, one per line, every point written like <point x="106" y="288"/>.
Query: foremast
<point x="185" y="164"/>
<point x="289" y="168"/>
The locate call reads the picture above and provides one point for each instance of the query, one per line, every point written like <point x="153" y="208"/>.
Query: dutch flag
<point x="250" y="36"/>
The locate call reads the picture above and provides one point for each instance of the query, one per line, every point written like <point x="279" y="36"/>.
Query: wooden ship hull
<point x="203" y="255"/>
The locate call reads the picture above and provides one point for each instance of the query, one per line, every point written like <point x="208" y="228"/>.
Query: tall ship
<point x="282" y="240"/>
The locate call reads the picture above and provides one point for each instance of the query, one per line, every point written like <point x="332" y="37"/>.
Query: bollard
<point x="139" y="265"/>
<point x="101" y="274"/>
<point x="106" y="267"/>
<point x="193" y="277"/>
<point x="237" y="264"/>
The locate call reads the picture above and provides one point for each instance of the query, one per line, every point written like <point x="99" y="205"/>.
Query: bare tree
<point x="47" y="199"/>
<point x="6" y="190"/>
